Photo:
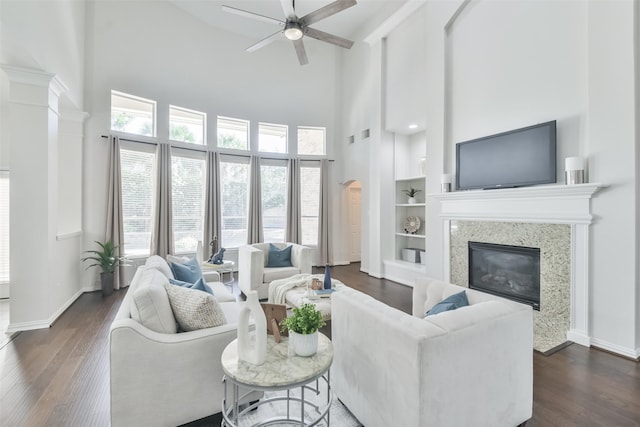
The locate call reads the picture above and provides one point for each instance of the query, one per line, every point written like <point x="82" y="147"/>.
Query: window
<point x="272" y="138"/>
<point x="274" y="201"/>
<point x="310" y="204"/>
<point x="233" y="133"/>
<point x="312" y="141"/>
<point x="187" y="125"/>
<point x="133" y="114"/>
<point x="187" y="191"/>
<point x="4" y="227"/>
<point x="234" y="183"/>
<point x="137" y="174"/>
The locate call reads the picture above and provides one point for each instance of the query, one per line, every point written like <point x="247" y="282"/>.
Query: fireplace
<point x="511" y="272"/>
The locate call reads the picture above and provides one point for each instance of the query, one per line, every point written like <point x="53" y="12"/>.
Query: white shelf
<point x="408" y="205"/>
<point x="418" y="236"/>
<point x="411" y="178"/>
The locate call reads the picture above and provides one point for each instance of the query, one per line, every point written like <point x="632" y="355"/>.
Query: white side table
<point x="225" y="267"/>
<point x="280" y="371"/>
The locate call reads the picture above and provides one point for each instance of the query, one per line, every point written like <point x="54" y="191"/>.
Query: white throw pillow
<point x="194" y="309"/>
<point x="177" y="259"/>
<point x="150" y="304"/>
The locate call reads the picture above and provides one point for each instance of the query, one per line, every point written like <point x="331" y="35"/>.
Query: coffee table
<point x="225" y="267"/>
<point x="295" y="297"/>
<point x="282" y="370"/>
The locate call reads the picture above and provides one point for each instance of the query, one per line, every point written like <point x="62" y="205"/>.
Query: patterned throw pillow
<point x="194" y="309"/>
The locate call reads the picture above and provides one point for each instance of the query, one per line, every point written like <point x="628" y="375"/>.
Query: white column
<point x="33" y="138"/>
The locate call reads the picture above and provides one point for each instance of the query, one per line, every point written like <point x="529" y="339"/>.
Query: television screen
<point x="516" y="158"/>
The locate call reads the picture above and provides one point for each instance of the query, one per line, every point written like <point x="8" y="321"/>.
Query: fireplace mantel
<point x="551" y="204"/>
<point x="558" y="204"/>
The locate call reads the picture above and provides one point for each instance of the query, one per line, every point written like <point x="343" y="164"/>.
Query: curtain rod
<point x="205" y="150"/>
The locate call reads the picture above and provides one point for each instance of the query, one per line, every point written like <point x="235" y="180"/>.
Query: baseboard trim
<point x="579" y="338"/>
<point x="396" y="279"/>
<point x="44" y="324"/>
<point x="629" y="353"/>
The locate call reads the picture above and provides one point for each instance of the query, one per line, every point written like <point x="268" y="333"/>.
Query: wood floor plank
<point x="60" y="376"/>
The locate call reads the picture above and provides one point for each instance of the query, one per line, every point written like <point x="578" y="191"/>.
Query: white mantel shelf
<point x="560" y="204"/>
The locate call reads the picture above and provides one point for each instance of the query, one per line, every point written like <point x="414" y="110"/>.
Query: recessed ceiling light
<point x="413" y="126"/>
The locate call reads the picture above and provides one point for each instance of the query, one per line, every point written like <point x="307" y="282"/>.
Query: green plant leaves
<point x="304" y="320"/>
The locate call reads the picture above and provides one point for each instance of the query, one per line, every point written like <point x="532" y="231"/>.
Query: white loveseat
<point x="469" y="367"/>
<point x="159" y="377"/>
<point x="253" y="273"/>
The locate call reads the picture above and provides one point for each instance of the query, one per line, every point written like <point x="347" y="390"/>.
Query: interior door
<point x="355" y="197"/>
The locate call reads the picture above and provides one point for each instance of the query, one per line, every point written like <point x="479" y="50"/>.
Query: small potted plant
<point x="303" y="327"/>
<point x="411" y="192"/>
<point x="108" y="261"/>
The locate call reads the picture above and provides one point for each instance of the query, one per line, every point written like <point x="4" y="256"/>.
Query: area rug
<point x="339" y="415"/>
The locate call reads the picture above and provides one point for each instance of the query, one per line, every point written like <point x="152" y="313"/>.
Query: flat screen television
<point x="515" y="158"/>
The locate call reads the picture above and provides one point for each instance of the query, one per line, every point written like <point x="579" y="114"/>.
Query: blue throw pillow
<point x="279" y="257"/>
<point x="449" y="303"/>
<point x="188" y="272"/>
<point x="200" y="285"/>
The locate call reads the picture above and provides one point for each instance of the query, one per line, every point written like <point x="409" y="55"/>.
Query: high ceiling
<point x="353" y="23"/>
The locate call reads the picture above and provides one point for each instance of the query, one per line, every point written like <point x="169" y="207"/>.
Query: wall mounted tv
<point x="516" y="158"/>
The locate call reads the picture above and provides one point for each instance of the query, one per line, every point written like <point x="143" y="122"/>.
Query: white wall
<point x="160" y="52"/>
<point x="43" y="43"/>
<point x="503" y="70"/>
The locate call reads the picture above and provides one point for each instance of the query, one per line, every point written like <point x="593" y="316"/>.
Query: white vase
<point x="252" y="351"/>
<point x="304" y="344"/>
<point x="412" y="200"/>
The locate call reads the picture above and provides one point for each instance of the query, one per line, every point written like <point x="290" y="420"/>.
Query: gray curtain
<point x="162" y="236"/>
<point x="294" y="211"/>
<point x="255" y="233"/>
<point x="324" y="248"/>
<point x="115" y="223"/>
<point x="212" y="208"/>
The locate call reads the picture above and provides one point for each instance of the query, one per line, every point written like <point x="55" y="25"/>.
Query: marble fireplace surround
<point x="553" y="204"/>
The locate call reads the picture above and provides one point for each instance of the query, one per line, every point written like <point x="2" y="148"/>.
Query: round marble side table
<point x="282" y="370"/>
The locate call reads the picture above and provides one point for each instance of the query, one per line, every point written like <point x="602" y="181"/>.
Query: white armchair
<point x="254" y="275"/>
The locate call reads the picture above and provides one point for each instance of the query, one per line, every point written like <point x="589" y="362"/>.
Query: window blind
<point x="187" y="187"/>
<point x="310" y="204"/>
<point x="137" y="176"/>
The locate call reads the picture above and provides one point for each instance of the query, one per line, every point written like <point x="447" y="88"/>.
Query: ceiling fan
<point x="294" y="28"/>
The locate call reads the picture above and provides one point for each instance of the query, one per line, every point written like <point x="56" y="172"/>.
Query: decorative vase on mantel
<point x="252" y="351"/>
<point x="327" y="277"/>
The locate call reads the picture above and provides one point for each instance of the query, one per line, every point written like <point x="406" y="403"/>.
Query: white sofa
<point x="469" y="367"/>
<point x="166" y="378"/>
<point x="253" y="273"/>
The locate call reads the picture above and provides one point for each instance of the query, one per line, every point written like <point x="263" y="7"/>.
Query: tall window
<point x="274" y="201"/>
<point x="233" y="133"/>
<point x="137" y="172"/>
<point x="187" y="125"/>
<point x="234" y="183"/>
<point x="133" y="114"/>
<point x="272" y="138"/>
<point x="312" y="141"/>
<point x="4" y="227"/>
<point x="187" y="190"/>
<point x="310" y="200"/>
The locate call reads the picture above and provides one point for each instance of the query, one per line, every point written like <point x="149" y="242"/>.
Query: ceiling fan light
<point x="293" y="31"/>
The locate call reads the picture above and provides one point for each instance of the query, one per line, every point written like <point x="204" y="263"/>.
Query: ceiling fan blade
<point x="329" y="38"/>
<point x="326" y="11"/>
<point x="265" y="41"/>
<point x="287" y="6"/>
<point x="251" y="15"/>
<point x="301" y="52"/>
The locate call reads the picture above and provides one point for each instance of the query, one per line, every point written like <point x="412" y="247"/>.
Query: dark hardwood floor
<point x="59" y="376"/>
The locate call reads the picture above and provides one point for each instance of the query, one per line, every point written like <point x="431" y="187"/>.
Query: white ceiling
<point x="353" y="23"/>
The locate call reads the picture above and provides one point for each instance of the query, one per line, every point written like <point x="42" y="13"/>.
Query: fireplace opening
<point x="511" y="272"/>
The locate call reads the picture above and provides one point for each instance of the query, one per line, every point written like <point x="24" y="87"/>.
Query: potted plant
<point x="303" y="327"/>
<point x="411" y="192"/>
<point x="108" y="261"/>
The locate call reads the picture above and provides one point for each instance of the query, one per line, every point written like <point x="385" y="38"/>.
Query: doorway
<point x="354" y="197"/>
